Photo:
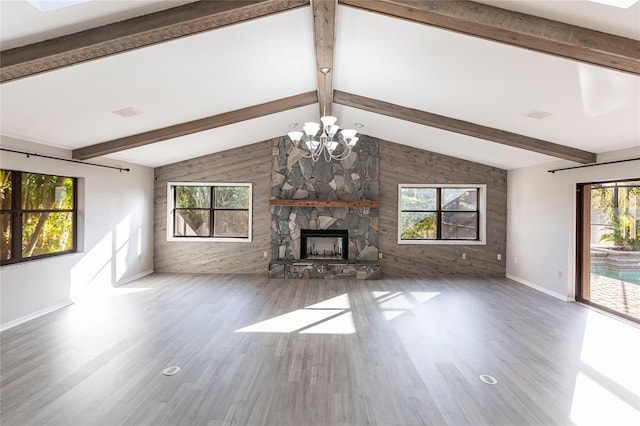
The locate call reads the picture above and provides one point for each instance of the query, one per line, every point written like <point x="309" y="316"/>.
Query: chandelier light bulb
<point x="311" y="128"/>
<point x="348" y="133"/>
<point x="331" y="146"/>
<point x="295" y="136"/>
<point x="328" y="120"/>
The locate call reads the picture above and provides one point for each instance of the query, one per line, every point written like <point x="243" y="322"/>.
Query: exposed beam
<point x="518" y="29"/>
<point x="134" y="33"/>
<point x="464" y="127"/>
<point x="195" y="126"/>
<point x="324" y="23"/>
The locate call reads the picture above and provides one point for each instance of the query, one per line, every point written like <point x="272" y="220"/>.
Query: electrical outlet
<point x="265" y="254"/>
<point x="515" y="260"/>
<point x="464" y="256"/>
<point x="498" y="256"/>
<point x="379" y="255"/>
<point x="560" y="274"/>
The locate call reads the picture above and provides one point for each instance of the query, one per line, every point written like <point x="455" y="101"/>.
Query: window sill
<point x="443" y="242"/>
<point x="209" y="240"/>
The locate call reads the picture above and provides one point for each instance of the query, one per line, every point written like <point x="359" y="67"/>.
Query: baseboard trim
<point x="539" y="288"/>
<point x="34" y="315"/>
<point x="133" y="278"/>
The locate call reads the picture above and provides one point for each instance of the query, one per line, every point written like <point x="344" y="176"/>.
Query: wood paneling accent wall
<point x="250" y="163"/>
<point x="403" y="164"/>
<point x="398" y="164"/>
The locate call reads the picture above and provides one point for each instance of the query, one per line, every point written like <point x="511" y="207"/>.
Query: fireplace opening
<point x="324" y="244"/>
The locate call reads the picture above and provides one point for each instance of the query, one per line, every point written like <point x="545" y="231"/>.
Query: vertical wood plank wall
<point x="398" y="164"/>
<point x="250" y="163"/>
<point x="403" y="164"/>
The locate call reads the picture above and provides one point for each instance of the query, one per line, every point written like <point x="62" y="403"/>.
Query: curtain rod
<point x="594" y="164"/>
<point x="28" y="154"/>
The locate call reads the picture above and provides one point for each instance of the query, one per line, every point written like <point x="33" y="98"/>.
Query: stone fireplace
<point x="324" y="196"/>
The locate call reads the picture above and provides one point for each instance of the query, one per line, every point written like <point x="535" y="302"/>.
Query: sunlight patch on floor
<point x="395" y="304"/>
<point x="290" y="322"/>
<point x="341" y="324"/>
<point x="593" y="404"/>
<point x="334" y="316"/>
<point x="607" y="389"/>
<point x="338" y="302"/>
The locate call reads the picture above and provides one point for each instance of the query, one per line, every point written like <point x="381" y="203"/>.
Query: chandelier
<point x="324" y="140"/>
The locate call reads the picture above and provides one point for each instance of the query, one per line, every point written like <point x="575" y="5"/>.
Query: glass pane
<point x="602" y="212"/>
<point x="193" y="196"/>
<point x="611" y="277"/>
<point x="232" y="197"/>
<point x="459" y="199"/>
<point x="46" y="192"/>
<point x="5" y="239"/>
<point x="192" y="223"/>
<point x="324" y="248"/>
<point x="232" y="223"/>
<point x="459" y="226"/>
<point x="5" y="190"/>
<point x="44" y="233"/>
<point x="418" y="199"/>
<point x="418" y="226"/>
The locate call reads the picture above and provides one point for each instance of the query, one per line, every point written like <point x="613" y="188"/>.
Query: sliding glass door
<point x="608" y="246"/>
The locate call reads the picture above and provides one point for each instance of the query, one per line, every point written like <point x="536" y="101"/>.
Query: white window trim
<point x="170" y="218"/>
<point x="482" y="208"/>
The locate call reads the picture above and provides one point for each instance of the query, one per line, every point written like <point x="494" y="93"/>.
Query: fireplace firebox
<point x="324" y="244"/>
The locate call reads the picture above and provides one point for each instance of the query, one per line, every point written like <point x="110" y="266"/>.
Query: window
<point x="37" y="215"/>
<point x="441" y="214"/>
<point x="209" y="211"/>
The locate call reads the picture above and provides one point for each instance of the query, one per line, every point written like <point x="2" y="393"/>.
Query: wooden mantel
<point x="324" y="203"/>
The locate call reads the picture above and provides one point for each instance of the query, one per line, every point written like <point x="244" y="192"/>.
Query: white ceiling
<point x="392" y="60"/>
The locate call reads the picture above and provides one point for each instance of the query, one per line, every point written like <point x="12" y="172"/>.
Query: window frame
<point x="481" y="210"/>
<point x="16" y="213"/>
<point x="171" y="213"/>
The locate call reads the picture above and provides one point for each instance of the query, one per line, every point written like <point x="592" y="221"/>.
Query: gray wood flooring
<point x="255" y="351"/>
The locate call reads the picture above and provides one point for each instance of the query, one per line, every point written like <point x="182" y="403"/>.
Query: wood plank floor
<point x="254" y="351"/>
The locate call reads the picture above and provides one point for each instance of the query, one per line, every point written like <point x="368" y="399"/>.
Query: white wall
<point x="114" y="238"/>
<point x="541" y="225"/>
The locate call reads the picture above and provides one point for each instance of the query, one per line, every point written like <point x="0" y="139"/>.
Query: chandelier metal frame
<point x="323" y="140"/>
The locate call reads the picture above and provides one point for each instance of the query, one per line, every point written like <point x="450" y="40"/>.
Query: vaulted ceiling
<point x="504" y="83"/>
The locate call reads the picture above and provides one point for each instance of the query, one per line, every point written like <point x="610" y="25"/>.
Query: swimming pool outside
<point x="632" y="277"/>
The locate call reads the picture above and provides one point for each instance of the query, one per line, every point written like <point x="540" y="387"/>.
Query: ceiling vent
<point x="538" y="115"/>
<point x="127" y="112"/>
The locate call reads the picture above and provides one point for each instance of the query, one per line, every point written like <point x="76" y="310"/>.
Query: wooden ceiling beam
<point x="195" y="126"/>
<point x="464" y="127"/>
<point x="514" y="28"/>
<point x="324" y="35"/>
<point x="134" y="33"/>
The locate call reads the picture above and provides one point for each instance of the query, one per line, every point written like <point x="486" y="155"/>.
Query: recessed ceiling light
<point x="622" y="4"/>
<point x="537" y="114"/>
<point x="127" y="112"/>
<point x="358" y="125"/>
<point x="50" y="5"/>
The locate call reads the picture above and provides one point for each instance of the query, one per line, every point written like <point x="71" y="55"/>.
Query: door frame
<point x="583" y="246"/>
